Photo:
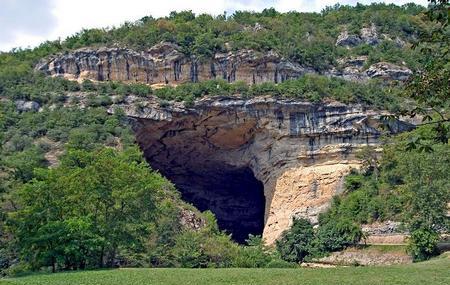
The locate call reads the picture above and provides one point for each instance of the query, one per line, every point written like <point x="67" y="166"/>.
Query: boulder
<point x="24" y="106"/>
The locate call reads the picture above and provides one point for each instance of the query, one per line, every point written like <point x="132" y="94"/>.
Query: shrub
<point x="423" y="243"/>
<point x="88" y="85"/>
<point x="336" y="235"/>
<point x="296" y="243"/>
<point x="187" y="251"/>
<point x="220" y="250"/>
<point x="254" y="255"/>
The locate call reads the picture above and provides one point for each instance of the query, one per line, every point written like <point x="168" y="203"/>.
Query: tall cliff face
<point x="297" y="151"/>
<point x="164" y="63"/>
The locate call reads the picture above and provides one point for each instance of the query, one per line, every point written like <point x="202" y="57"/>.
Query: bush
<point x="7" y="258"/>
<point x="423" y="243"/>
<point x="17" y="269"/>
<point x="88" y="85"/>
<point x="254" y="255"/>
<point x="97" y="101"/>
<point x="301" y="242"/>
<point x="337" y="235"/>
<point x="296" y="243"/>
<point x="220" y="251"/>
<point x="187" y="250"/>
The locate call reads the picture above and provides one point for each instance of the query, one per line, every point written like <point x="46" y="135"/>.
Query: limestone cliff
<point x="299" y="151"/>
<point x="164" y="63"/>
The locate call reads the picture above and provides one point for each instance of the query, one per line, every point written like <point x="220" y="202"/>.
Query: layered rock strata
<point x="299" y="151"/>
<point x="166" y="64"/>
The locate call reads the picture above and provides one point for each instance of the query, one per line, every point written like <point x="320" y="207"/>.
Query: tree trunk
<point x="53" y="264"/>
<point x="102" y="253"/>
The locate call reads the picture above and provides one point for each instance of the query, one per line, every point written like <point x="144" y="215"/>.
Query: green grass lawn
<point x="436" y="271"/>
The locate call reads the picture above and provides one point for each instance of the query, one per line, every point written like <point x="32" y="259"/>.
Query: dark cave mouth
<point x="233" y="194"/>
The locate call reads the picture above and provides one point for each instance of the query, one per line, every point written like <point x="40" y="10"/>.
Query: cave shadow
<point x="232" y="193"/>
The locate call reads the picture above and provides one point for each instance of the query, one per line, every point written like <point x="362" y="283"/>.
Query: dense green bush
<point x="298" y="242"/>
<point x="423" y="242"/>
<point x="338" y="235"/>
<point x="301" y="242"/>
<point x="255" y="254"/>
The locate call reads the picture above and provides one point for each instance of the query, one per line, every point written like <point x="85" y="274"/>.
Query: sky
<point x="26" y="23"/>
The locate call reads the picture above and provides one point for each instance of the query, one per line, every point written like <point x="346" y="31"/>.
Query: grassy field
<point x="436" y="271"/>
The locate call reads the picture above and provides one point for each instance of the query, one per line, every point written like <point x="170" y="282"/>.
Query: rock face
<point x="190" y="220"/>
<point x="164" y="63"/>
<point x="353" y="69"/>
<point x="256" y="163"/>
<point x="367" y="35"/>
<point x="387" y="70"/>
<point x="384" y="228"/>
<point x="347" y="40"/>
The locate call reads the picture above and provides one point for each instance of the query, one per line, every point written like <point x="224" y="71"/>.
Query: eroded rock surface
<point x="353" y="69"/>
<point x="388" y="70"/>
<point x="164" y="63"/>
<point x="348" y="40"/>
<point x="217" y="152"/>
<point x="367" y="35"/>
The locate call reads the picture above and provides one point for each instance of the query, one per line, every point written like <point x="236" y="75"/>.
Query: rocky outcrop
<point x="353" y="69"/>
<point x="387" y="232"/>
<point x="24" y="106"/>
<point x="263" y="157"/>
<point x="347" y="40"/>
<point x="387" y="70"/>
<point x="164" y="63"/>
<point x="383" y="228"/>
<point x="191" y="220"/>
<point x="367" y="35"/>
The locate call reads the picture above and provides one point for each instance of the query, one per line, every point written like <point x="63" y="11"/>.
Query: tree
<point x="85" y="211"/>
<point x="430" y="87"/>
<point x="426" y="180"/>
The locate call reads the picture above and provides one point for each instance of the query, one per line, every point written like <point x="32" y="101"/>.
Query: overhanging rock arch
<point x="298" y="152"/>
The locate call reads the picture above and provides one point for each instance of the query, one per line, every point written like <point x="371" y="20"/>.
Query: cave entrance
<point x="233" y="194"/>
